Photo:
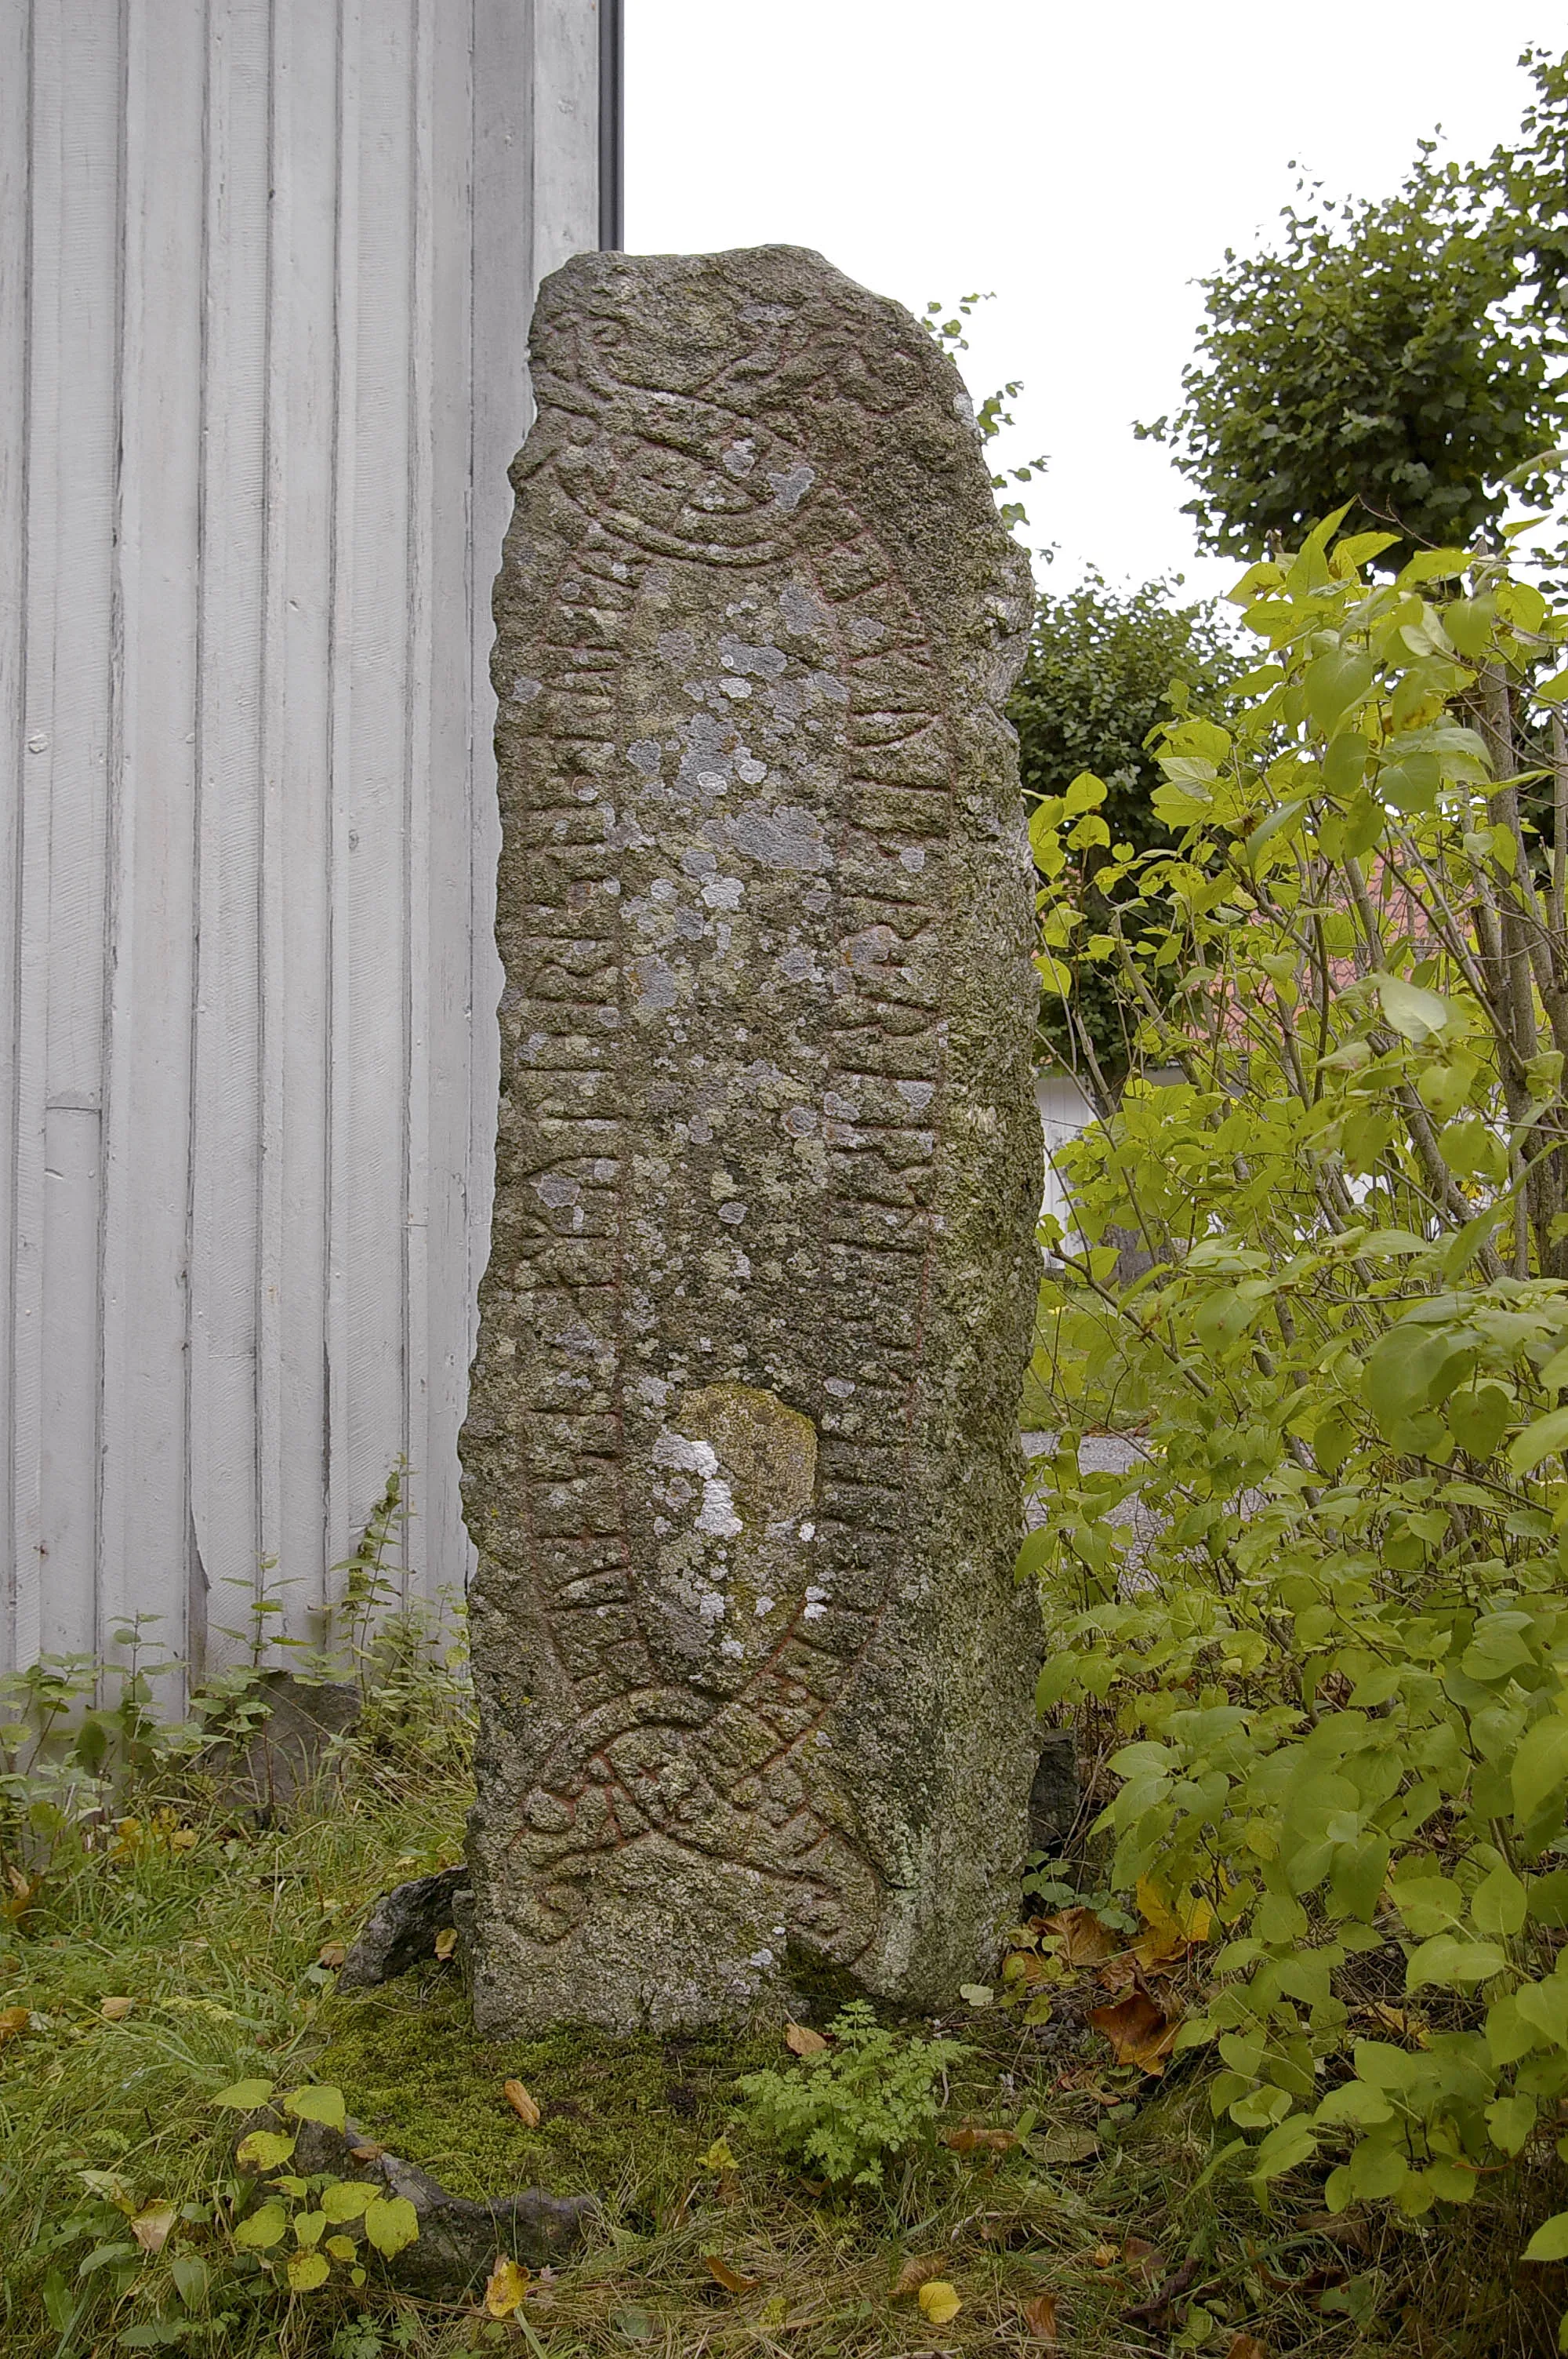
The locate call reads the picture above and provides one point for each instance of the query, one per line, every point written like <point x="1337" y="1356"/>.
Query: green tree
<point x="1408" y="351"/>
<point x="1096" y="687"/>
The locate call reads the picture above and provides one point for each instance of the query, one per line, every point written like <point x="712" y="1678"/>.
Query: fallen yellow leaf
<point x="331" y="1953"/>
<point x="718" y="2157"/>
<point x="730" y="2280"/>
<point x="802" y="2040"/>
<point x="151" y="2225"/>
<point x="24" y="1891"/>
<point x="1247" y="2347"/>
<point x="522" y="2103"/>
<point x="1188" y="1919"/>
<point x="504" y="2287"/>
<point x="13" y="2020"/>
<point x="940" y="2300"/>
<point x="445" y="1941"/>
<point x="1104" y="2256"/>
<point x="115" y="2010"/>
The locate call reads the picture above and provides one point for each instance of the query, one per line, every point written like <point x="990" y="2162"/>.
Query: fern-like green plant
<point x="840" y="2112"/>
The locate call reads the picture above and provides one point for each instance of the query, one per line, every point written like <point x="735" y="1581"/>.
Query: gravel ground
<point x="1102" y="1453"/>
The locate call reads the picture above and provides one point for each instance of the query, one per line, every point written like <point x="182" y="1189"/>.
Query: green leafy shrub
<point x="304" y="2223"/>
<point x="1095" y="687"/>
<point x="1335" y="1641"/>
<point x="843" y="2111"/>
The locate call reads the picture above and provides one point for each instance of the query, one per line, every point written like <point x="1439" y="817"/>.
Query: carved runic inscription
<point x="741" y="1463"/>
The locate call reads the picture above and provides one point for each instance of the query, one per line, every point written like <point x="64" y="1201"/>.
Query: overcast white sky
<point x="1086" y="162"/>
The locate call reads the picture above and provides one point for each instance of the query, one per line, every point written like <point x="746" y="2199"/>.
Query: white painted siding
<point x="265" y="269"/>
<point x="1064" y="1111"/>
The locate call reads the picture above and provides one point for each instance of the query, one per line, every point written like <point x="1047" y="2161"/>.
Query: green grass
<point x="216" y="1946"/>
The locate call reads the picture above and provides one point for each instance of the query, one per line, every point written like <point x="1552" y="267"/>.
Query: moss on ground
<point x="623" y="2119"/>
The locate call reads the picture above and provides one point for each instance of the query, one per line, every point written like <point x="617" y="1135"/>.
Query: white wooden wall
<point x="1064" y="1111"/>
<point x="265" y="270"/>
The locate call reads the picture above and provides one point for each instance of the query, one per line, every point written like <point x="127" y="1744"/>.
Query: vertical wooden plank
<point x="369" y="1078"/>
<point x="424" y="789"/>
<point x="438" y="1357"/>
<point x="78" y="96"/>
<point x="339" y="1002"/>
<point x="565" y="132"/>
<point x="39" y="567"/>
<point x="296" y="806"/>
<point x="503" y="87"/>
<point x="152" y="811"/>
<point x="225" y="1144"/>
<point x="15" y="319"/>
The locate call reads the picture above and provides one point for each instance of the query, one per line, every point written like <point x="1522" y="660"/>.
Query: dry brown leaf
<point x="973" y="2141"/>
<point x="1138" y="2031"/>
<point x="506" y="2288"/>
<point x="522" y="2103"/>
<point x="115" y="2010"/>
<point x="1032" y="1968"/>
<point x="12" y="2021"/>
<point x="331" y="1953"/>
<point x="730" y="2280"/>
<point x="1143" y="2258"/>
<point x="1399" y="2020"/>
<point x="1161" y="1949"/>
<point x="1083" y="2079"/>
<point x="801" y="2040"/>
<point x="1247" y="2347"/>
<point x="1341" y="2228"/>
<point x="367" y="2153"/>
<point x="1062" y="2145"/>
<point x="1105" y="2256"/>
<point x="151" y="2225"/>
<point x="1085" y="1940"/>
<point x="914" y="2273"/>
<point x="445" y="1941"/>
<point x="1040" y="2319"/>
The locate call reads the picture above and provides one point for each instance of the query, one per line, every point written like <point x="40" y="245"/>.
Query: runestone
<point x="741" y="1462"/>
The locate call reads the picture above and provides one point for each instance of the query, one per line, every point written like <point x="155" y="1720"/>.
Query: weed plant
<point x="1053" y="2179"/>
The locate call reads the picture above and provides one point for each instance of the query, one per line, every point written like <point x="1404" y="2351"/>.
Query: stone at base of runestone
<point x="459" y="2240"/>
<point x="291" y="1750"/>
<point x="1054" y="1794"/>
<point x="400" y="1931"/>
